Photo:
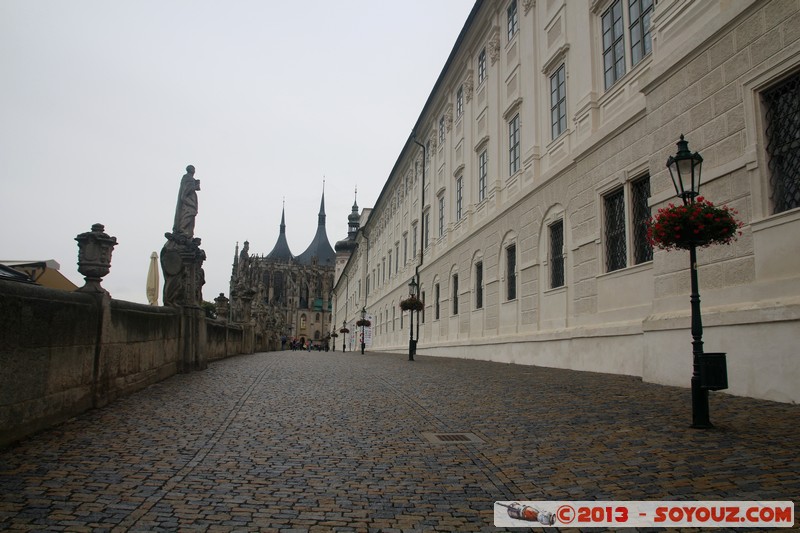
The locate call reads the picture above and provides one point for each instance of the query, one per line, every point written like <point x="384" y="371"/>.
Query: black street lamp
<point x="363" y="324"/>
<point x="684" y="169"/>
<point x="344" y="333"/>
<point x="412" y="344"/>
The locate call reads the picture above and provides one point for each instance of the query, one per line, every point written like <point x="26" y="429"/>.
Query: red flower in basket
<point x="700" y="223"/>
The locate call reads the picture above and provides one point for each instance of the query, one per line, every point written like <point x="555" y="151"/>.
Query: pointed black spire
<point x="320" y="248"/>
<point x="281" y="249"/>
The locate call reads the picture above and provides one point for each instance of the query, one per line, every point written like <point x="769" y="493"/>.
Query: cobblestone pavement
<point x="295" y="441"/>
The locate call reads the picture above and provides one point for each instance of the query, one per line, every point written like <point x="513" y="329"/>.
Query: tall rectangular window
<point x="483" y="164"/>
<point x="426" y="222"/>
<point x="367" y="284"/>
<point x="405" y="249"/>
<point x="511" y="12"/>
<point x="511" y="272"/>
<point x="782" y="104"/>
<point x="616" y="250"/>
<point x="414" y="241"/>
<point x="513" y="145"/>
<point x="459" y="102"/>
<point x="459" y="197"/>
<point x="441" y="131"/>
<point x="613" y="44"/>
<point x="396" y="257"/>
<point x="423" y="308"/>
<point x="482" y="66"/>
<point x="436" y="302"/>
<point x="640" y="213"/>
<point x="441" y="216"/>
<point x="557" y="254"/>
<point x="479" y="285"/>
<point x="390" y="264"/>
<point x="558" y="102"/>
<point x="383" y="270"/>
<point x="454" y="294"/>
<point x="640" y="12"/>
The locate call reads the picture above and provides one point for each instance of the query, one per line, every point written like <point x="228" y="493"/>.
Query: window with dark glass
<point x="455" y="294"/>
<point x="426" y="221"/>
<point x="616" y="250"/>
<point x="511" y="272"/>
<point x="479" y="285"/>
<point x="513" y="145"/>
<point x="558" y="102"/>
<point x="441" y="131"/>
<point x="557" y="254"/>
<point x="640" y="195"/>
<point x="613" y="44"/>
<point x="640" y="12"/>
<point x="483" y="162"/>
<point x="782" y="104"/>
<point x="441" y="216"/>
<point x="436" y="302"/>
<point x="511" y="13"/>
<point x="459" y="197"/>
<point x="460" y="102"/>
<point x="482" y="66"/>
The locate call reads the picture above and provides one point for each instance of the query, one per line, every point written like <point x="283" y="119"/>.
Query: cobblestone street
<point x="296" y="441"/>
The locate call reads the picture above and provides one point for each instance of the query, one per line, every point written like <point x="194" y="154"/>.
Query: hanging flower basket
<point x="363" y="322"/>
<point x="334" y="334"/>
<point x="344" y="330"/>
<point x="412" y="303"/>
<point x="700" y="223"/>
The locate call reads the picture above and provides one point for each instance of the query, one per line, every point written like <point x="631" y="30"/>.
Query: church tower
<point x="284" y="296"/>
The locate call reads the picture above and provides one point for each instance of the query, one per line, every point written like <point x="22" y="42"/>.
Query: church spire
<point x="320" y="248"/>
<point x="281" y="249"/>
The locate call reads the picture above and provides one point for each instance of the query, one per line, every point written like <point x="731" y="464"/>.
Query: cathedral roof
<point x="320" y="247"/>
<point x="281" y="249"/>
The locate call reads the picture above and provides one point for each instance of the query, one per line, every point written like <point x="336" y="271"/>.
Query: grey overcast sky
<point x="103" y="103"/>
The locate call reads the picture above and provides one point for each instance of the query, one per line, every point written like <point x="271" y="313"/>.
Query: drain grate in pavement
<point x="451" y="438"/>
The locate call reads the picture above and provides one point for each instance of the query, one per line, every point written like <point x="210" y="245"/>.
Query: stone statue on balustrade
<point x="181" y="257"/>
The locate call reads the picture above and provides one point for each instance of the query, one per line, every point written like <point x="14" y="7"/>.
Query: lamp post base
<point x="412" y="349"/>
<point x="700" y="411"/>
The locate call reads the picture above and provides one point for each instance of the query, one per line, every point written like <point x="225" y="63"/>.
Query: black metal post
<point x="362" y="339"/>
<point x="700" y="411"/>
<point x="412" y="345"/>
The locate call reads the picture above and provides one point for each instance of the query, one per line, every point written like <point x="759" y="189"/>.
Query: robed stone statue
<point x="186" y="210"/>
<point x="181" y="257"/>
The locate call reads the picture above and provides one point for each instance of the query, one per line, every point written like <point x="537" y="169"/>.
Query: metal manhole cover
<point x="451" y="438"/>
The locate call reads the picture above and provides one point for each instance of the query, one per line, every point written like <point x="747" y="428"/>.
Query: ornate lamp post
<point x="412" y="344"/>
<point x="344" y="333"/>
<point x="684" y="169"/>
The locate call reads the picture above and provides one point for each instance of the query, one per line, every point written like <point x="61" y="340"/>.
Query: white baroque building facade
<point x="519" y="197"/>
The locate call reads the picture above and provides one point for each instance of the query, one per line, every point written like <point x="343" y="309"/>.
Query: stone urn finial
<point x="223" y="306"/>
<point x="94" y="257"/>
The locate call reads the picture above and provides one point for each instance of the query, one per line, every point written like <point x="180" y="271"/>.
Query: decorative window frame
<point x="762" y="77"/>
<point x="623" y="181"/>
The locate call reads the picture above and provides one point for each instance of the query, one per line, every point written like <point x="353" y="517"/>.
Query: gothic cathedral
<point x="284" y="296"/>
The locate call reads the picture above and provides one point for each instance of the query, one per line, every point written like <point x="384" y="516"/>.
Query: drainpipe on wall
<point x="421" y="220"/>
